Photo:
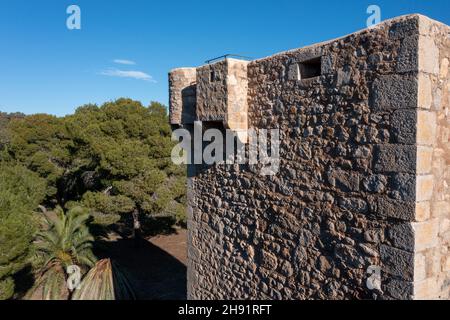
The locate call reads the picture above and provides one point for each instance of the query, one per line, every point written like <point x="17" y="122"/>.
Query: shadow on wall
<point x="188" y="96"/>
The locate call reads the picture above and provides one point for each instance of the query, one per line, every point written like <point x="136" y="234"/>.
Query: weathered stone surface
<point x="424" y="187"/>
<point x="294" y="72"/>
<point x="237" y="107"/>
<point x="344" y="180"/>
<point x="286" y="269"/>
<point x="426" y="127"/>
<point x="393" y="208"/>
<point x="398" y="289"/>
<point x="398" y="263"/>
<point x="402" y="236"/>
<point x="425" y="96"/>
<point x="375" y="183"/>
<point x="404" y="126"/>
<point x="428" y="55"/>
<point x="363" y="178"/>
<point x="404" y="187"/>
<point x="423" y="211"/>
<point x="420" y="267"/>
<point x="353" y="204"/>
<point x="404" y="28"/>
<point x="426" y="289"/>
<point x="424" y="159"/>
<point x="447" y="265"/>
<point x="395" y="158"/>
<point x="391" y="92"/>
<point x="426" y="234"/>
<point x="182" y="95"/>
<point x="348" y="256"/>
<point x="408" y="58"/>
<point x="443" y="73"/>
<point x="212" y="92"/>
<point x="268" y="260"/>
<point x="222" y="95"/>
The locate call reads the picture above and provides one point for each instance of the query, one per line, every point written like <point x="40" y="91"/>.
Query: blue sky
<point x="46" y="68"/>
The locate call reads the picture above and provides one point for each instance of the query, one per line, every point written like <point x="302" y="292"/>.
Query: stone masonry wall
<point x="183" y="94"/>
<point x="212" y="97"/>
<point x="363" y="180"/>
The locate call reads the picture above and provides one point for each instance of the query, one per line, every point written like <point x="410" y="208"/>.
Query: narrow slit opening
<point x="311" y="68"/>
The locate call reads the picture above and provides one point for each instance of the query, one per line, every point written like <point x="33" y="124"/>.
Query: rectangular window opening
<point x="311" y="68"/>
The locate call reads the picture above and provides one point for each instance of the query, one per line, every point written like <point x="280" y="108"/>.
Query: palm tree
<point x="105" y="281"/>
<point x="65" y="241"/>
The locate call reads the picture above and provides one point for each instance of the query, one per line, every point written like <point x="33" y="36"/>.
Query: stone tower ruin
<point x="363" y="184"/>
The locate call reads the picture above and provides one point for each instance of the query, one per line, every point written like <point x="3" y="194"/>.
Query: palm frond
<point x="66" y="239"/>
<point x="105" y="281"/>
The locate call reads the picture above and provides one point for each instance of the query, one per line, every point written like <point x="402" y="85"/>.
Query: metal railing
<point x="225" y="56"/>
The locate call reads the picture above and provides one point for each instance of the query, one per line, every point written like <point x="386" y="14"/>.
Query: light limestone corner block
<point x="425" y="25"/>
<point x="237" y="88"/>
<point x="426" y="234"/>
<point x="446" y="266"/>
<point x="426" y="127"/>
<point x="444" y="68"/>
<point x="428" y="55"/>
<point x="426" y="289"/>
<point x="420" y="267"/>
<point x="425" y="95"/>
<point x="423" y="211"/>
<point x="424" y="159"/>
<point x="440" y="209"/>
<point x="434" y="262"/>
<point x="424" y="187"/>
<point x="444" y="226"/>
<point x="181" y="94"/>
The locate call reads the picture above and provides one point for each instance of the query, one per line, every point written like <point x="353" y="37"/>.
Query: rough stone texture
<point x="182" y="95"/>
<point x="395" y="158"/>
<point x="212" y="91"/>
<point x="363" y="179"/>
<point x="222" y="93"/>
<point x="237" y="88"/>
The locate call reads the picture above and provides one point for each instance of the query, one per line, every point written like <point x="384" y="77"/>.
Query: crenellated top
<point x="218" y="92"/>
<point x="213" y="92"/>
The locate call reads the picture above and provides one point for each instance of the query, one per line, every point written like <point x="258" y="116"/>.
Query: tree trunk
<point x="136" y="228"/>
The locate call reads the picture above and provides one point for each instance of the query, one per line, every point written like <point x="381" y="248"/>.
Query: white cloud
<point x="123" y="61"/>
<point x="138" y="75"/>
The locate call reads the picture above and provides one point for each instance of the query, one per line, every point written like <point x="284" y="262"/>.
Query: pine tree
<point x="40" y="143"/>
<point x="21" y="191"/>
<point x="113" y="159"/>
<point x="128" y="147"/>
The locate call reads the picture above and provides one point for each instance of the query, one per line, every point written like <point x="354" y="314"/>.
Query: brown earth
<point x="156" y="267"/>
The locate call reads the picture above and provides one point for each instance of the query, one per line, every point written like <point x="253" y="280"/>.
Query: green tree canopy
<point x="127" y="148"/>
<point x="103" y="164"/>
<point x="21" y="191"/>
<point x="113" y="159"/>
<point x="41" y="143"/>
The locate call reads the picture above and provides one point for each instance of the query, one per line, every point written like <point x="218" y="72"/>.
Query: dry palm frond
<point x="50" y="285"/>
<point x="106" y="281"/>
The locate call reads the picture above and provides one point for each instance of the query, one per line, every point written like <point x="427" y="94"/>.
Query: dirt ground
<point x="174" y="244"/>
<point x="156" y="268"/>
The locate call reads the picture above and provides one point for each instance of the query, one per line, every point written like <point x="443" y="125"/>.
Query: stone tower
<point x="363" y="184"/>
